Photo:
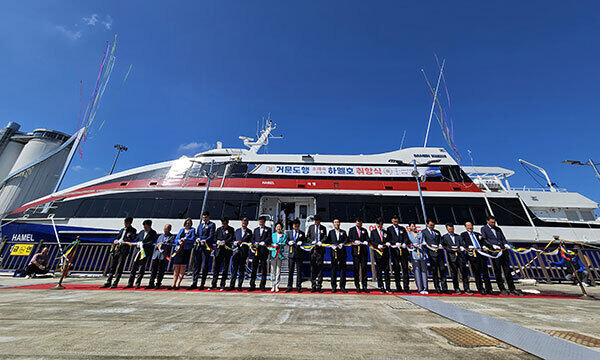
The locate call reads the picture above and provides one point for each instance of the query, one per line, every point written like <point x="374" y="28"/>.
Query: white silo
<point x="40" y="143"/>
<point x="10" y="148"/>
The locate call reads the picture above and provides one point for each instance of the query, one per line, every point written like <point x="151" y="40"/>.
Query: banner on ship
<point x="323" y="170"/>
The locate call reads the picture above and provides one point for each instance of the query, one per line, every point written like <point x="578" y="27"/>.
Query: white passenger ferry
<point x="249" y="184"/>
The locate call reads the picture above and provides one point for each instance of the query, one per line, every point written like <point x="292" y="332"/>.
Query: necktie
<point x="474" y="239"/>
<point x="397" y="231"/>
<point x="295" y="235"/>
<point x="380" y="235"/>
<point x="316" y="233"/>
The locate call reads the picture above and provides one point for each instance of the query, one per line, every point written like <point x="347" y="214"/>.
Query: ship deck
<point x="81" y="323"/>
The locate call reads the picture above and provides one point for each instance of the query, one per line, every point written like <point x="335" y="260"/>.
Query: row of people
<point x="404" y="250"/>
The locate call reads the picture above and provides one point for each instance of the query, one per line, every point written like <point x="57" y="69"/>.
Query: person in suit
<point x="160" y="257"/>
<point x="381" y="240"/>
<point x="479" y="265"/>
<point x="145" y="244"/>
<point x="205" y="243"/>
<point x="119" y="253"/>
<point x="360" y="250"/>
<point x="399" y="254"/>
<point x="241" y="249"/>
<point x="316" y="234"/>
<point x="456" y="259"/>
<point x="338" y="239"/>
<point x="276" y="255"/>
<point x="225" y="236"/>
<point x="418" y="258"/>
<point x="261" y="238"/>
<point x="493" y="237"/>
<point x="435" y="253"/>
<point x="295" y="256"/>
<point x="184" y="243"/>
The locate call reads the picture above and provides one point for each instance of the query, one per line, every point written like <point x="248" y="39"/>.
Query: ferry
<point x="415" y="183"/>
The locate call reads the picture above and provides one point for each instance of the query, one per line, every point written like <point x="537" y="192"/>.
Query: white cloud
<point x="195" y="146"/>
<point x="92" y="20"/>
<point x="71" y="34"/>
<point x="98" y="169"/>
<point x="77" y="168"/>
<point x="108" y="22"/>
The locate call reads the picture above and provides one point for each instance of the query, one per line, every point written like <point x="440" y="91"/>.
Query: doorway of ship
<point x="287" y="208"/>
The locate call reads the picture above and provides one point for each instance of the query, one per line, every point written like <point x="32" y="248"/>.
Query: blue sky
<point x="337" y="77"/>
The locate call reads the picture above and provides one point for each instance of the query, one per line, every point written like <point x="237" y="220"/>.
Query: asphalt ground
<point x="114" y="324"/>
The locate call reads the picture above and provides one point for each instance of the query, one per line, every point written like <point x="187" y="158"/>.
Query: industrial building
<point x="32" y="164"/>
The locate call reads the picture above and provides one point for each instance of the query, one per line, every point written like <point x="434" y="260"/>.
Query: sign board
<point x="343" y="171"/>
<point x="21" y="249"/>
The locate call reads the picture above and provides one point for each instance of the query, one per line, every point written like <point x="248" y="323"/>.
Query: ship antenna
<point x="434" y="100"/>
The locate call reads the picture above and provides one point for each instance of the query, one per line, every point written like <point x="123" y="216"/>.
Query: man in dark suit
<point x="456" y="259"/>
<point x="316" y="234"/>
<point x="360" y="251"/>
<point x="435" y="252"/>
<point x="338" y="238"/>
<point x="472" y="240"/>
<point x="261" y="238"/>
<point x="493" y="238"/>
<point x="202" y="250"/>
<point x="399" y="254"/>
<point x="225" y="235"/>
<point x="295" y="256"/>
<point x="381" y="240"/>
<point x="119" y="253"/>
<point x="144" y="243"/>
<point x="160" y="257"/>
<point x="241" y="249"/>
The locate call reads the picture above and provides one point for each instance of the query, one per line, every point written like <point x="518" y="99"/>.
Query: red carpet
<point x="350" y="292"/>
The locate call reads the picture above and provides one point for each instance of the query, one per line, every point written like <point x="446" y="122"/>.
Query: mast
<point x="434" y="100"/>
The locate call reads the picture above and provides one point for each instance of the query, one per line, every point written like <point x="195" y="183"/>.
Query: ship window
<point x="337" y="211"/>
<point x="444" y="214"/>
<point x="587" y="215"/>
<point x="67" y="209"/>
<point x="231" y="209"/>
<point x="238" y="169"/>
<point x="372" y="212"/>
<point x="214" y="207"/>
<point x="479" y="213"/>
<point x="430" y="212"/>
<point x="409" y="213"/>
<point x="353" y="211"/>
<point x="509" y="212"/>
<point x="462" y="214"/>
<point x="179" y="209"/>
<point x="145" y="208"/>
<point x="112" y="207"/>
<point x="389" y="210"/>
<point x="195" y="209"/>
<point x="249" y="209"/>
<point x="572" y="215"/>
<point x="128" y="207"/>
<point x="162" y="208"/>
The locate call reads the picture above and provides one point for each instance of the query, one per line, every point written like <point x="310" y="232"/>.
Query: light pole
<point x="417" y="176"/>
<point x="590" y="162"/>
<point x="119" y="149"/>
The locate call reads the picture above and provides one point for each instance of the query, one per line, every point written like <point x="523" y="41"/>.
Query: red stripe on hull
<point x="282" y="184"/>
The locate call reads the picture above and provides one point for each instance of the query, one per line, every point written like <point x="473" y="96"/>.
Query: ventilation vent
<point x="302" y="186"/>
<point x="123" y="184"/>
<point x="153" y="183"/>
<point x="389" y="188"/>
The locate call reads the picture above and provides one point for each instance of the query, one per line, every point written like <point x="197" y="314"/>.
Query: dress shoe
<point x="222" y="289"/>
<point x="483" y="293"/>
<point x="158" y="286"/>
<point x="213" y="287"/>
<point x="299" y="290"/>
<point x="516" y="293"/>
<point x="382" y="290"/>
<point x="105" y="286"/>
<point x="128" y="286"/>
<point x="171" y="288"/>
<point x="201" y="287"/>
<point x="138" y="286"/>
<point x="263" y="289"/>
<point x="334" y="290"/>
<point x="150" y="287"/>
<point x="366" y="291"/>
<point x="457" y="292"/>
<point x="439" y="291"/>
<point x="288" y="290"/>
<point x="358" y="290"/>
<point x="344" y="291"/>
<point x="313" y="290"/>
<point x="192" y="287"/>
<point x="408" y="292"/>
<point x="252" y="288"/>
<point x="504" y="293"/>
<point x="468" y="292"/>
<point x="320" y="290"/>
<point x="240" y="289"/>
